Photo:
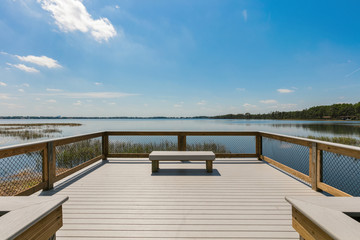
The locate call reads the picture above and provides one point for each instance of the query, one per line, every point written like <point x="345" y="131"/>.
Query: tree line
<point x="340" y="111"/>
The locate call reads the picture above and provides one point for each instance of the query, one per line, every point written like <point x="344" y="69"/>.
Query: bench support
<point x="156" y="156"/>
<point x="209" y="166"/>
<point x="155" y="165"/>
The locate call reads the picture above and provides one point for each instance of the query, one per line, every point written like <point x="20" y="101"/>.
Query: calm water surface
<point x="292" y="128"/>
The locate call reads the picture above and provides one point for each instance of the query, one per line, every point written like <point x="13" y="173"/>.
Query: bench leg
<point x="209" y="166"/>
<point x="155" y="166"/>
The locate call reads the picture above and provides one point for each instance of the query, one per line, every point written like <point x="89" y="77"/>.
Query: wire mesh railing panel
<point x="142" y="144"/>
<point x="20" y="172"/>
<point x="221" y="144"/>
<point x="292" y="155"/>
<point x="341" y="172"/>
<point x="71" y="155"/>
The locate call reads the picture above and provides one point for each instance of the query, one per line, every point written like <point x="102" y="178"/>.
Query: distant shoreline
<point x="175" y="118"/>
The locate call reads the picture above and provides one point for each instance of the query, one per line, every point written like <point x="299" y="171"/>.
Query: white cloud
<point x="77" y="103"/>
<point x="248" y="105"/>
<point x="4" y="96"/>
<point x="202" y="102"/>
<point x="51" y="101"/>
<point x="111" y="103"/>
<point x="348" y="75"/>
<point x="287" y="105"/>
<point x="178" y="105"/>
<point x="3" y="84"/>
<point x="25" y="85"/>
<point x="21" y="90"/>
<point x="53" y="90"/>
<point x="117" y="7"/>
<point x="245" y="15"/>
<point x="72" y="15"/>
<point x="98" y="83"/>
<point x="12" y="105"/>
<point x="269" y="101"/>
<point x="284" y="106"/>
<point x="24" y="68"/>
<point x="37" y="99"/>
<point x="101" y="95"/>
<point x="283" y="90"/>
<point x="40" y="61"/>
<point x="240" y="89"/>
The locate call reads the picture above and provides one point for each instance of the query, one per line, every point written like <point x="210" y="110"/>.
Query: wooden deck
<point x="122" y="199"/>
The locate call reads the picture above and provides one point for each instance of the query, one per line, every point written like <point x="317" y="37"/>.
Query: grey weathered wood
<point x="24" y="215"/>
<point x="156" y="156"/>
<point x="325" y="218"/>
<point x="122" y="200"/>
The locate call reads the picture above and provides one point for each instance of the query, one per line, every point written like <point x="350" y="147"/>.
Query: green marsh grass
<point x="33" y="130"/>
<point x="342" y="140"/>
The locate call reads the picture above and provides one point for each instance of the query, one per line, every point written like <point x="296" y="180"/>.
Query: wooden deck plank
<point x="178" y="234"/>
<point x="122" y="199"/>
<point x="167" y="227"/>
<point x="177" y="212"/>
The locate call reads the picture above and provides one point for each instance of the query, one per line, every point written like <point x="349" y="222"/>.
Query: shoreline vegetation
<point x="33" y="130"/>
<point x="340" y="111"/>
<point x="342" y="140"/>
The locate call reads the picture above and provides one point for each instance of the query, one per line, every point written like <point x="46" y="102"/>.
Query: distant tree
<point x="335" y="111"/>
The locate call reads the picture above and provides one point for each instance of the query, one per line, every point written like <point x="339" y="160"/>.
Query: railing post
<point x="105" y="145"/>
<point x="49" y="166"/>
<point x="313" y="166"/>
<point x="258" y="146"/>
<point x="181" y="142"/>
<point x="45" y="168"/>
<point x="319" y="169"/>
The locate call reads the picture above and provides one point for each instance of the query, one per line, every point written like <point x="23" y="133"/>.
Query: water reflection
<point x="287" y="127"/>
<point x="332" y="128"/>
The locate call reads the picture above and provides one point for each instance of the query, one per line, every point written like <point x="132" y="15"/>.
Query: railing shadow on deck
<point x="67" y="182"/>
<point x="186" y="172"/>
<point x="28" y="168"/>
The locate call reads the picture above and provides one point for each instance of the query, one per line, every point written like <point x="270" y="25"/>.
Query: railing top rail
<point x="44" y="142"/>
<point x="188" y="133"/>
<point x="9" y="151"/>
<point x="328" y="146"/>
<point x="31" y="144"/>
<point x="321" y="144"/>
<point x="67" y="140"/>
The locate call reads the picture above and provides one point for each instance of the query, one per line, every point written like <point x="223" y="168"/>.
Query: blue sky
<point x="176" y="58"/>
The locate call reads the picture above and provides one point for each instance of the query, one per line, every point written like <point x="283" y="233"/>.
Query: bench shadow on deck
<point x="122" y="199"/>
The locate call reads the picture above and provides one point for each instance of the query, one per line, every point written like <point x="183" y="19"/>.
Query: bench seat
<point x="157" y="156"/>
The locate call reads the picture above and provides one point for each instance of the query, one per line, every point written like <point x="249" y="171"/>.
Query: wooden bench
<point x="156" y="156"/>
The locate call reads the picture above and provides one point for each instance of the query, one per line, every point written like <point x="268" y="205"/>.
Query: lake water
<point x="292" y="128"/>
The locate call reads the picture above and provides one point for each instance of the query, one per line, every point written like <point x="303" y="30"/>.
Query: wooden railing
<point x="50" y="163"/>
<point x="316" y="149"/>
